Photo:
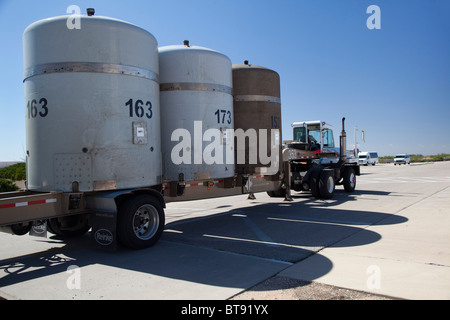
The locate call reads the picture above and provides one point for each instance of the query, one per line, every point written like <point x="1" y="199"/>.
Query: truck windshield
<point x="363" y="156"/>
<point x="300" y="134"/>
<point x="327" y="135"/>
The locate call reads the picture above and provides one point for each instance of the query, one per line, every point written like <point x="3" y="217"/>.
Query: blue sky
<point x="394" y="82"/>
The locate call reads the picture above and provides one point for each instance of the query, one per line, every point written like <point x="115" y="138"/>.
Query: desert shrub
<point x="7" y="185"/>
<point x="16" y="172"/>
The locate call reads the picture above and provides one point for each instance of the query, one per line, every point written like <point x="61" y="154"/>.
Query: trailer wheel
<point x="349" y="179"/>
<point x="140" y="221"/>
<point x="67" y="227"/>
<point x="21" y="229"/>
<point x="277" y="193"/>
<point x="326" y="184"/>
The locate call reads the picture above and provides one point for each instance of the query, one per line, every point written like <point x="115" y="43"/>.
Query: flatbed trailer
<point x="69" y="214"/>
<point x="114" y="134"/>
<point x="136" y="216"/>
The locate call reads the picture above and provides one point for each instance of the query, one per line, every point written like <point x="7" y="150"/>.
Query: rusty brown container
<point x="257" y="106"/>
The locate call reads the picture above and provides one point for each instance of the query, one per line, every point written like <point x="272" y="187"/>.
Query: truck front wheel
<point x="349" y="179"/>
<point x="140" y="221"/>
<point x="326" y="184"/>
<point x="314" y="180"/>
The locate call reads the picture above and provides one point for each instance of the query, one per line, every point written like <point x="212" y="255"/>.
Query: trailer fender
<point x="120" y="197"/>
<point x="104" y="207"/>
<point x="110" y="200"/>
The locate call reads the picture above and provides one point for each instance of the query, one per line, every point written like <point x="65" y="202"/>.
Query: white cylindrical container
<point x="196" y="113"/>
<point x="92" y="105"/>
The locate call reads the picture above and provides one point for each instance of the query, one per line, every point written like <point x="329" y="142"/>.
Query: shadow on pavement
<point x="228" y="249"/>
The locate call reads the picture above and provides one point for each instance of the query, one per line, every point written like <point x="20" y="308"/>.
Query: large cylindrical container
<point x="196" y="113"/>
<point x="92" y="105"/>
<point x="257" y="116"/>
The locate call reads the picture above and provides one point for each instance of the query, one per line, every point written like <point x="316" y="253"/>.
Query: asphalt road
<point x="389" y="237"/>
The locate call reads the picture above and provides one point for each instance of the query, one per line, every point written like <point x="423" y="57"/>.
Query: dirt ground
<point x="283" y="288"/>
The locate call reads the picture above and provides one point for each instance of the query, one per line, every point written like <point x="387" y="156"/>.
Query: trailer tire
<point x="68" y="227"/>
<point x="326" y="184"/>
<point x="314" y="179"/>
<point x="349" y="179"/>
<point x="140" y="221"/>
<point x="271" y="194"/>
<point x="277" y="193"/>
<point x="21" y="229"/>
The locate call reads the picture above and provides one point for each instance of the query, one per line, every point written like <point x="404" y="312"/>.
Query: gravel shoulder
<point x="283" y="288"/>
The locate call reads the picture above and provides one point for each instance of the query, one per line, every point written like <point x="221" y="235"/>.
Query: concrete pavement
<point x="167" y="271"/>
<point x="411" y="260"/>
<point x="388" y="237"/>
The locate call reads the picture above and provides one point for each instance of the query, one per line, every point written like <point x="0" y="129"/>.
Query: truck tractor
<point x="315" y="163"/>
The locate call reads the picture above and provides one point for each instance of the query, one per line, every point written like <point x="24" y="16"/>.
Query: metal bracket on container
<point x="140" y="133"/>
<point x="176" y="189"/>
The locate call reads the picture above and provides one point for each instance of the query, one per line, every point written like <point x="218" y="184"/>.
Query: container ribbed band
<point x="194" y="86"/>
<point x="256" y="98"/>
<point x="89" y="67"/>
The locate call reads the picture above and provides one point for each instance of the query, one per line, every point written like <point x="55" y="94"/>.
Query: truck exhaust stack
<point x="343" y="142"/>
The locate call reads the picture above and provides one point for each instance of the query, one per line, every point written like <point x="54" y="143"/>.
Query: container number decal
<point x="276" y="122"/>
<point x="223" y="115"/>
<point x="139" y="109"/>
<point x="37" y="108"/>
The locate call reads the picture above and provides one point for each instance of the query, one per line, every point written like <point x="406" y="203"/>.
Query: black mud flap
<point x="104" y="234"/>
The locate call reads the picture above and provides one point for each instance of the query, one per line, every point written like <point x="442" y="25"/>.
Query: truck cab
<point x="314" y="136"/>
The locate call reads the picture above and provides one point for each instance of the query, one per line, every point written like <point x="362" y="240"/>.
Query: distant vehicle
<point x="366" y="158"/>
<point x="402" y="158"/>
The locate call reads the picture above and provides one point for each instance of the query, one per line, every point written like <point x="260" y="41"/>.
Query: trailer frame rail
<point x="25" y="206"/>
